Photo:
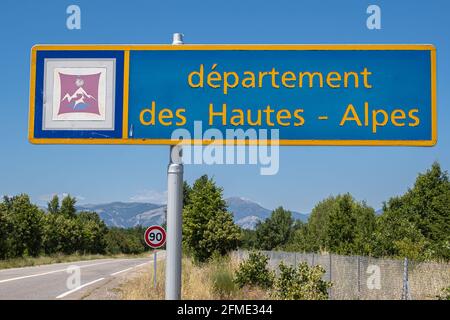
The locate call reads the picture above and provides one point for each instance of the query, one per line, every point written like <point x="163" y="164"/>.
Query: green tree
<point x="62" y="235"/>
<point x="207" y="226"/>
<point x="186" y="193"/>
<point x="299" y="240"/>
<point x="337" y="224"/>
<point x="275" y="231"/>
<point x="23" y="221"/>
<point x="68" y="206"/>
<point x="53" y="205"/>
<point x="221" y="234"/>
<point x="340" y="233"/>
<point x="364" y="228"/>
<point x="128" y="241"/>
<point x="52" y="239"/>
<point x="248" y="239"/>
<point x="115" y="238"/>
<point x="313" y="237"/>
<point x="93" y="232"/>
<point x="3" y="232"/>
<point x="417" y="224"/>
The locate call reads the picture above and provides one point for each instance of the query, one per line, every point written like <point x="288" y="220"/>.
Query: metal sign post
<point x="154" y="268"/>
<point x="174" y="209"/>
<point x="155" y="237"/>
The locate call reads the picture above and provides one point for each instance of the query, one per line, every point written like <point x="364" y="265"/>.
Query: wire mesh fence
<point x="367" y="278"/>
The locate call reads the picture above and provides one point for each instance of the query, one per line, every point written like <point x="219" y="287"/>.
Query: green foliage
<point x="223" y="282"/>
<point x="417" y="224"/>
<point x="68" y="207"/>
<point x="301" y="283"/>
<point x="397" y="236"/>
<point x="128" y="241"/>
<point x="248" y="239"/>
<point x="186" y="193"/>
<point x="222" y="276"/>
<point x="93" y="232"/>
<point x="22" y="224"/>
<point x="3" y="233"/>
<point x="207" y="226"/>
<point x="275" y="231"/>
<point x="337" y="224"/>
<point x="255" y="272"/>
<point x="445" y="294"/>
<point x="53" y="205"/>
<point x="28" y="231"/>
<point x="221" y="234"/>
<point x="67" y="232"/>
<point x="350" y="226"/>
<point x="61" y="234"/>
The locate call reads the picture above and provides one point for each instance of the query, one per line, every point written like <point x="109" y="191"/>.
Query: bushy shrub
<point x="445" y="294"/>
<point x="255" y="272"/>
<point x="301" y="283"/>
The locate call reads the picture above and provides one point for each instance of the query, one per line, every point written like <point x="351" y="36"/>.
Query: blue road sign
<point x="302" y="94"/>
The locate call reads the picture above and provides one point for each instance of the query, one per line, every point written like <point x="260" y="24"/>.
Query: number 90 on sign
<point x="155" y="236"/>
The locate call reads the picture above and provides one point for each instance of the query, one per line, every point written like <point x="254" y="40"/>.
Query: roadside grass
<point x="61" y="258"/>
<point x="208" y="281"/>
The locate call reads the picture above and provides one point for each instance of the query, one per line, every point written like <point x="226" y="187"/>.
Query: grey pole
<point x="154" y="268"/>
<point x="174" y="208"/>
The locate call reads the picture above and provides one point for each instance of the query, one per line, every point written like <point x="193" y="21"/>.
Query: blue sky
<point x="126" y="173"/>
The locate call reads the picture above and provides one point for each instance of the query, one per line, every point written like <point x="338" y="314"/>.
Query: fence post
<point x="330" y="292"/>
<point x="406" y="295"/>
<point x="359" y="277"/>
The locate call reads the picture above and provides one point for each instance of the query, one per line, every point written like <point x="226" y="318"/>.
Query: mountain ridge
<point x="246" y="213"/>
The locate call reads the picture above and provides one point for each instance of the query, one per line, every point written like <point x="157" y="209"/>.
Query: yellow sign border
<point x="332" y="47"/>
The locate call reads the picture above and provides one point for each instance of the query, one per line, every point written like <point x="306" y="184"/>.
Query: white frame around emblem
<point x="52" y="95"/>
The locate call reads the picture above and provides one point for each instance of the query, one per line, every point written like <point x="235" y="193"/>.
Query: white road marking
<point x="50" y="264"/>
<point x="142" y="264"/>
<point x="151" y="261"/>
<point x="115" y="273"/>
<point x="54" y="271"/>
<point x="78" y="288"/>
<point x="137" y="266"/>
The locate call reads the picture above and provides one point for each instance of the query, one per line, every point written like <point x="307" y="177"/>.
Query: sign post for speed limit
<point x="155" y="237"/>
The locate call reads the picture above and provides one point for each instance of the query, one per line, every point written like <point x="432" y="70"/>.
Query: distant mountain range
<point x="129" y="214"/>
<point x="248" y="213"/>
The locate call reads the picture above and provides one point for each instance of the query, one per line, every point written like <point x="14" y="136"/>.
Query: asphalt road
<point x="59" y="281"/>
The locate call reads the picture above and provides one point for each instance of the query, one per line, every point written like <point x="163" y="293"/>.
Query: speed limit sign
<point x="155" y="236"/>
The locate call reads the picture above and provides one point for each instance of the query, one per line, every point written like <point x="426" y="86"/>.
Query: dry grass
<point x="210" y="281"/>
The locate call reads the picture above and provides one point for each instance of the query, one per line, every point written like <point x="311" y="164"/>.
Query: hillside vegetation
<point x="415" y="225"/>
<point x="27" y="231"/>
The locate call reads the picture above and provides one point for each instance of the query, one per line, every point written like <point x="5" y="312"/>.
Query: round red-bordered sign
<point x="155" y="236"/>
